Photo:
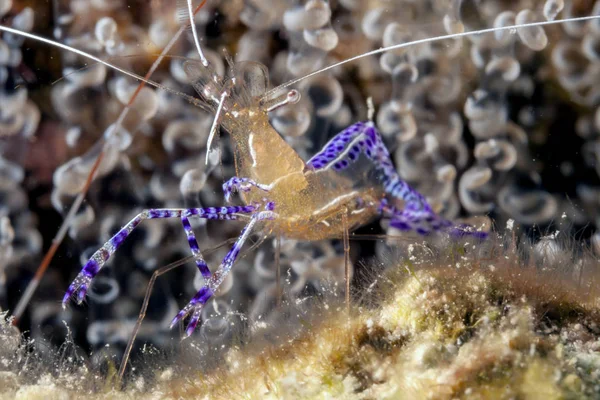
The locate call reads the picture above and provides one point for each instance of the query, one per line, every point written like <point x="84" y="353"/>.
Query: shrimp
<point x="344" y="186"/>
<point x="350" y="182"/>
<point x="347" y="184"/>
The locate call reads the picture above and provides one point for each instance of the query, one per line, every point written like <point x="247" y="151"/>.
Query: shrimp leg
<point x="423" y="223"/>
<point x="195" y="248"/>
<point x="82" y="282"/>
<point x="363" y="138"/>
<point x="194" y="307"/>
<point x="241" y="185"/>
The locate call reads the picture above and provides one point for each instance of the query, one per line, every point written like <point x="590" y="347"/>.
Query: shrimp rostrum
<point x="347" y="184"/>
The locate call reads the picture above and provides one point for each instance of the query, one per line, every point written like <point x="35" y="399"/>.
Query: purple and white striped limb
<point x="195" y="248"/>
<point x="241" y="185"/>
<point x="425" y="222"/>
<point x="82" y="282"/>
<point x="363" y="138"/>
<point x="194" y="307"/>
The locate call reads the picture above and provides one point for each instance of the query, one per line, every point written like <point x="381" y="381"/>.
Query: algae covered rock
<point x="440" y="333"/>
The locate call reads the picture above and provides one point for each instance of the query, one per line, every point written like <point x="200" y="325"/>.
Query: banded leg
<point x="195" y="248"/>
<point x="194" y="307"/>
<point x="426" y="222"/>
<point x="82" y="282"/>
<point x="242" y="185"/>
<point x="362" y="138"/>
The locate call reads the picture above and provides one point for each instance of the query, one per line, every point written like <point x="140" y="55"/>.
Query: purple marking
<point x="91" y="268"/>
<point x="195" y="307"/>
<point x="466" y="230"/>
<point x="403" y="226"/>
<point x="480" y="234"/>
<point x="373" y="136"/>
<point x="203" y="295"/>
<point x="118" y="239"/>
<point x="422" y="231"/>
<point x="81" y="283"/>
<point x="81" y="293"/>
<point x="193" y="243"/>
<point x="67" y="296"/>
<point x="193" y="323"/>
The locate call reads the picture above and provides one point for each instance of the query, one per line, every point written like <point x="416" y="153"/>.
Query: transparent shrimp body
<point x="309" y="201"/>
<point x="348" y="183"/>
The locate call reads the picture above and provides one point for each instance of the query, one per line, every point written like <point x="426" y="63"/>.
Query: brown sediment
<point x="480" y="329"/>
<point x="475" y="332"/>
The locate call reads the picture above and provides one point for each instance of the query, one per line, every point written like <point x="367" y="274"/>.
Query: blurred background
<point x="505" y="124"/>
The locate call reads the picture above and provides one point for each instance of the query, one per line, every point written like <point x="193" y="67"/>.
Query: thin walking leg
<point x="200" y="263"/>
<point x="194" y="307"/>
<point x="82" y="282"/>
<point x="144" y="309"/>
<point x="346" y="259"/>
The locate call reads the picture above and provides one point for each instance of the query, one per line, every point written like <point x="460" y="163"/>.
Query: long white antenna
<point x="423" y="41"/>
<point x="268" y="94"/>
<point x="82" y="53"/>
